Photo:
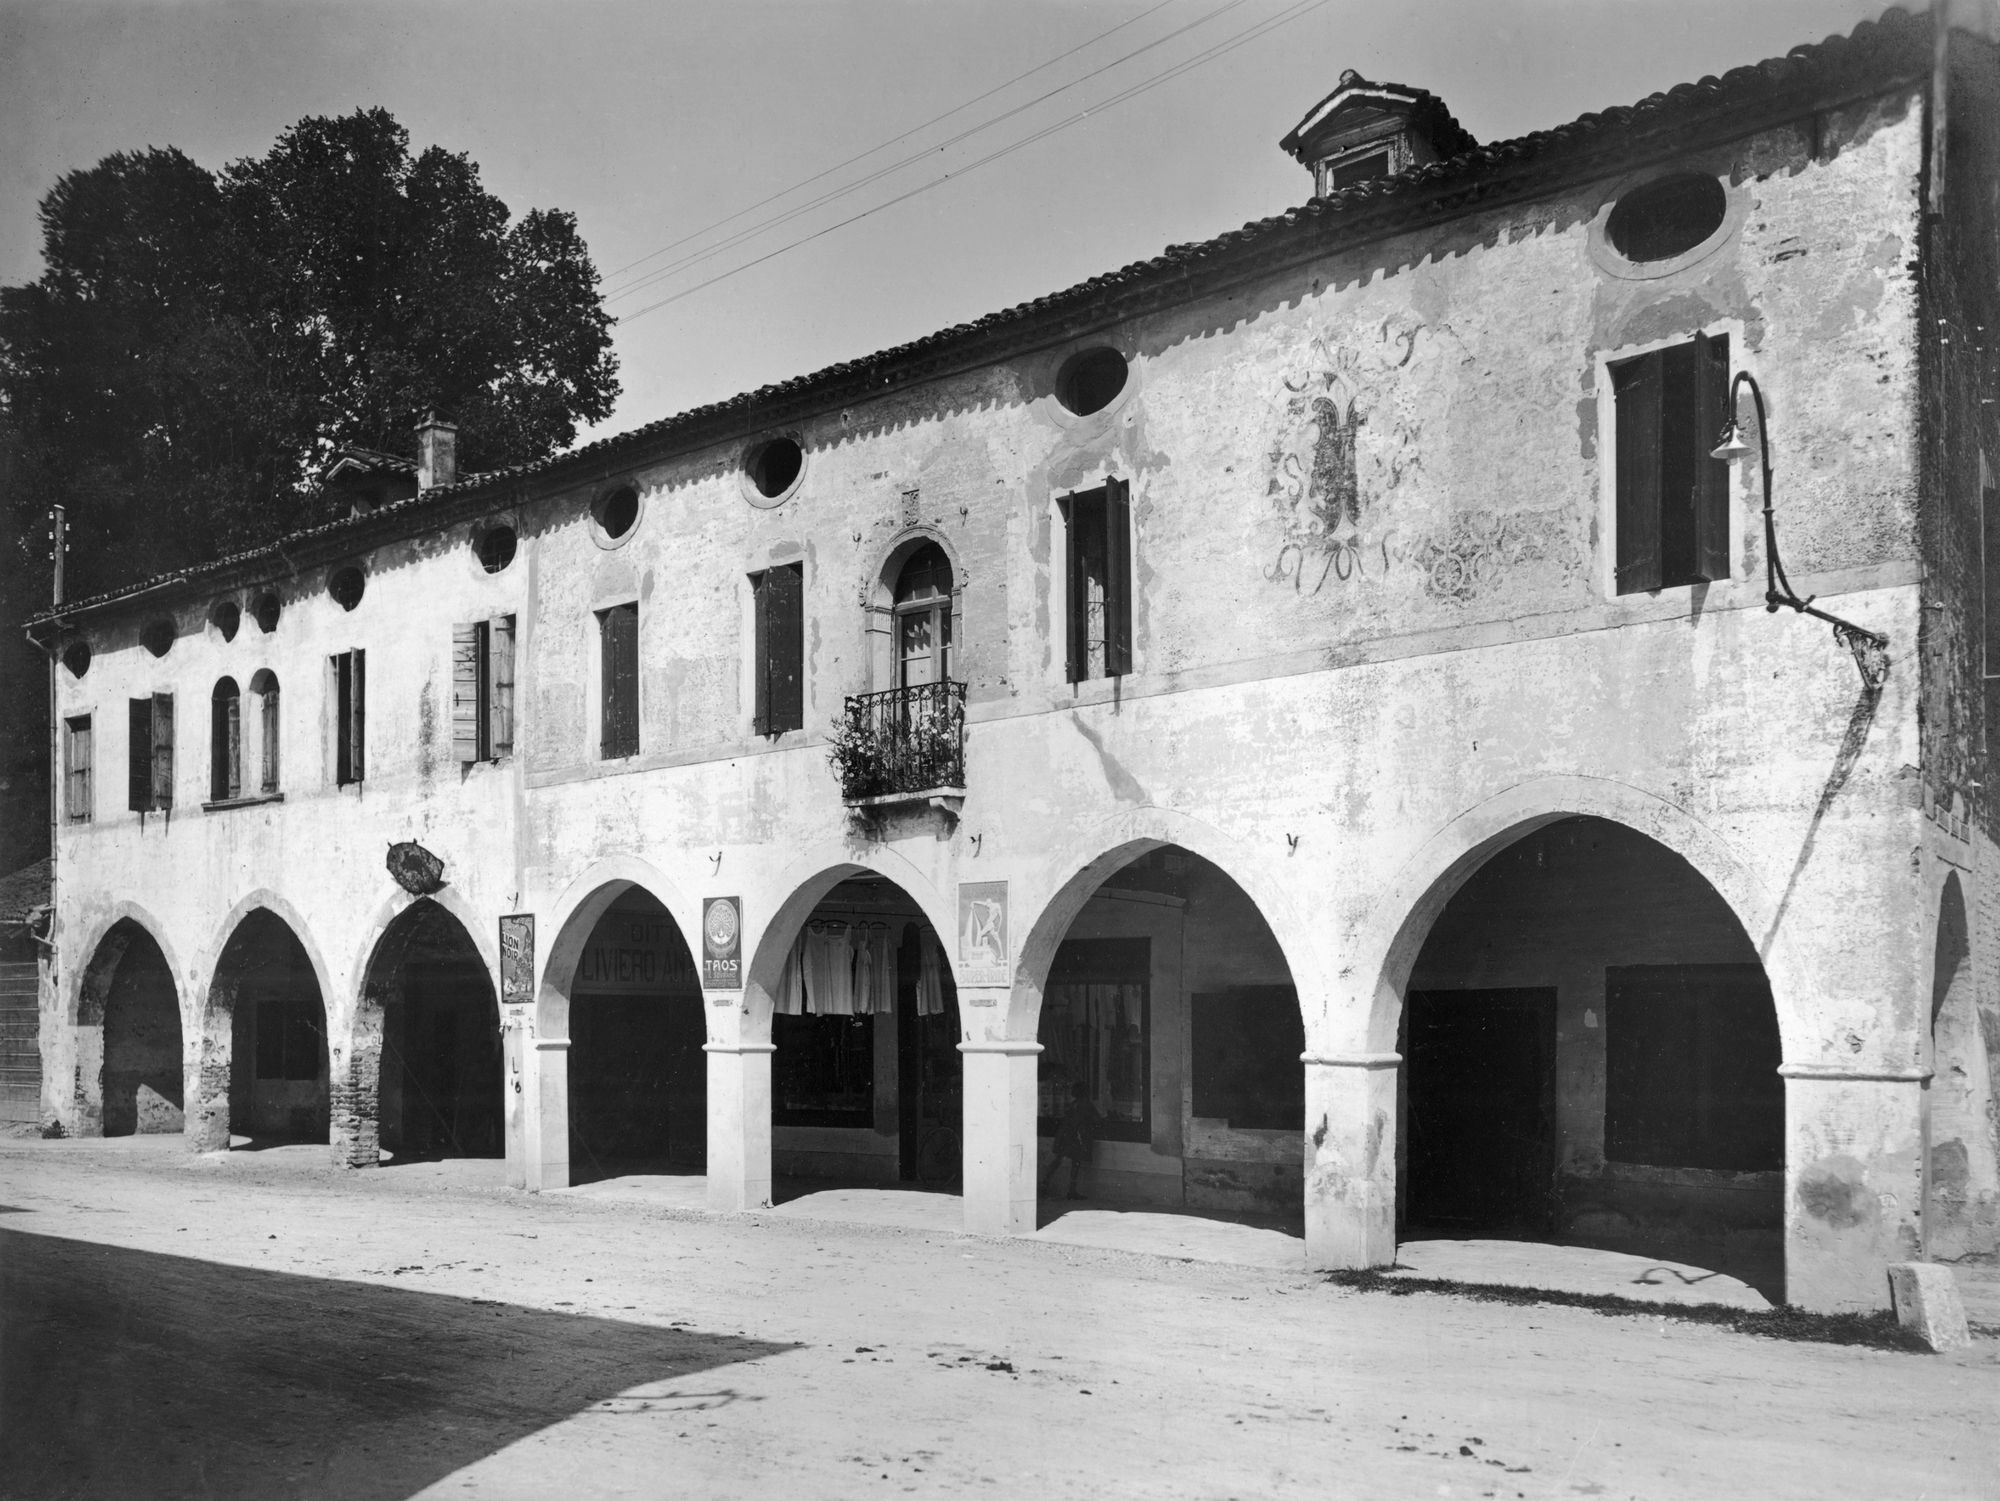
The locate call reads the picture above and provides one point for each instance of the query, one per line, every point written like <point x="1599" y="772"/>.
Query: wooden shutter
<point x="787" y="594"/>
<point x="343" y="709"/>
<point x="621" y="681"/>
<point x="465" y="685"/>
<point x="1077" y="515"/>
<point x="139" y="756"/>
<point x="228" y="748"/>
<point x="163" y="750"/>
<point x="1636" y="385"/>
<point x="1711" y="484"/>
<point x="500" y="686"/>
<point x="270" y="717"/>
<point x="760" y="652"/>
<point x="1117" y="578"/>
<point x="357" y="723"/>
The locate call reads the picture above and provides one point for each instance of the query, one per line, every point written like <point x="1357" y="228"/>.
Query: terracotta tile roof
<point x="1874" y="55"/>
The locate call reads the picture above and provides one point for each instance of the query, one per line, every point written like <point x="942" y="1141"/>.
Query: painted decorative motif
<point x="415" y="868"/>
<point x="985" y="955"/>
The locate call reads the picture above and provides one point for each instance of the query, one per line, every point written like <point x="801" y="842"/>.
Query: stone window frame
<point x="1613" y="262"/>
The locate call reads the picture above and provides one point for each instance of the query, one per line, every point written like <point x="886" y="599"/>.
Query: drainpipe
<point x="58" y="536"/>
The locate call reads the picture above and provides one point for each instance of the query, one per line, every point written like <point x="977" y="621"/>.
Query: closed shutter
<point x="357" y="725"/>
<point x="500" y="686"/>
<point x="139" y="758"/>
<point x="229" y="746"/>
<point x="760" y="651"/>
<point x="343" y="711"/>
<point x="270" y="715"/>
<point x="787" y="593"/>
<point x="1078" y="514"/>
<point x="1711" y="487"/>
<point x="465" y="694"/>
<point x="1117" y="578"/>
<point x="1636" y="385"/>
<point x="620" y="627"/>
<point x="163" y="750"/>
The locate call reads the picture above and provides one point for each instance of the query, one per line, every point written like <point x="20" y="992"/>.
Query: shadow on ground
<point x="124" y="1373"/>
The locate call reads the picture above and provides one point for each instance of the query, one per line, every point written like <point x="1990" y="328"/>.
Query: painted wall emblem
<point x="415" y="868"/>
<point x="984" y="951"/>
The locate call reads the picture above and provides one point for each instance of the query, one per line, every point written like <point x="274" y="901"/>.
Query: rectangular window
<point x="780" y="648"/>
<point x="350" y="717"/>
<point x="1672" y="498"/>
<point x="150" y="754"/>
<point x="618" y="637"/>
<point x="1098" y="567"/>
<point x="1691" y="1067"/>
<point x="225" y="743"/>
<point x="1247" y="1046"/>
<point x="77" y="768"/>
<point x="1095" y="1030"/>
<point x="482" y="690"/>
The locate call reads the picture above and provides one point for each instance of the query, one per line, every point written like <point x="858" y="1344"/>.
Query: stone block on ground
<point x="1928" y="1305"/>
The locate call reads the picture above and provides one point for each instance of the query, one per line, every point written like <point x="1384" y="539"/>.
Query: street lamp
<point x="1777" y="588"/>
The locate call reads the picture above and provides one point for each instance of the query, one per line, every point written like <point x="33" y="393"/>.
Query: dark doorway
<point x="1480" y="1072"/>
<point x="278" y="1074"/>
<point x="142" y="1040"/>
<point x="441" y="1055"/>
<point x="930" y="1071"/>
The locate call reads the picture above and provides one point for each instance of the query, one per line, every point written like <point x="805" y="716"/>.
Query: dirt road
<point x="183" y="1326"/>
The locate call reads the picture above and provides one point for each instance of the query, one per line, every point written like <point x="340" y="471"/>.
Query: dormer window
<point x="1346" y="172"/>
<point x="1364" y="132"/>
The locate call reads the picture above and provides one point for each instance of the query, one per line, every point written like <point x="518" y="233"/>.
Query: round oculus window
<point x="265" y="609"/>
<point x="1667" y="217"/>
<point x="773" y="466"/>
<point x="495" y="547"/>
<point x="347" y="586"/>
<point x="617" y="512"/>
<point x="157" y="636"/>
<point x="76" y="657"/>
<point x="226" y="616"/>
<point x="1090" y="380"/>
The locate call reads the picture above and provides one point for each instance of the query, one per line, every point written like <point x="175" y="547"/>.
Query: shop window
<point x="780" y="648"/>
<point x="265" y="686"/>
<point x="482" y="690"/>
<point x="350" y="717"/>
<point x="1095" y="1029"/>
<point x="1672" y="498"/>
<point x="1247" y="1046"/>
<point x="225" y="742"/>
<point x="288" y="1039"/>
<point x="823" y="1073"/>
<point x="1691" y="1068"/>
<point x="150" y="754"/>
<point x="77" y="765"/>
<point x="618" y="651"/>
<point x="1098" y="566"/>
<point x="923" y="618"/>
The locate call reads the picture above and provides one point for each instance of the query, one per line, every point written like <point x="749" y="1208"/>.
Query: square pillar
<point x="998" y="1132"/>
<point x="515" y="1047"/>
<point x="205" y="1120"/>
<point x="87" y="1118"/>
<point x="1853" y="1183"/>
<point x="1350" y="1160"/>
<point x="739" y="1124"/>
<point x="545" y="1114"/>
<point x="354" y="1090"/>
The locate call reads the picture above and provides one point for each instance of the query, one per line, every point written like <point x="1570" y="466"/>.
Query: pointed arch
<point x="93" y="976"/>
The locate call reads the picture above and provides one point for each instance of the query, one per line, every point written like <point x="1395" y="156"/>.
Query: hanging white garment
<point x="881" y="986"/>
<point x="829" y="974"/>
<point x="791" y="997"/>
<point x="861" y="958"/>
<point x="930" y="985"/>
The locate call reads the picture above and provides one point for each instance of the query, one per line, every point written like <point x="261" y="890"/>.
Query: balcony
<point x="903" y="746"/>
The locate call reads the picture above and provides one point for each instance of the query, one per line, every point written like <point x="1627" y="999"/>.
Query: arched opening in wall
<point x="278" y="1075"/>
<point x="1961" y="1196"/>
<point x="1170" y="1073"/>
<point x="638" y="1078"/>
<point x="439" y="1091"/>
<point x="1591" y="1058"/>
<point x="867" y="1083"/>
<point x="130" y="1001"/>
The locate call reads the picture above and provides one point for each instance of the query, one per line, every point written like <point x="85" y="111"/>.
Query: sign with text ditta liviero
<point x="517" y="959"/>
<point x="722" y="943"/>
<point x="985" y="952"/>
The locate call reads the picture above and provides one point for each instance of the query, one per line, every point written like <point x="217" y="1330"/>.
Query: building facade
<point x="1306" y="702"/>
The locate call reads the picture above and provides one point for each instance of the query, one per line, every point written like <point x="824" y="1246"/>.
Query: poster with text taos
<point x="985" y="955"/>
<point x="722" y="943"/>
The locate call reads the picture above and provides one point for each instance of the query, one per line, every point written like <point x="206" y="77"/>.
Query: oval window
<point x="76" y="657"/>
<point x="226" y="617"/>
<point x="1090" y="381"/>
<point x="616" y="513"/>
<point x="157" y="636"/>
<point x="495" y="547"/>
<point x="1666" y="217"/>
<point x="346" y="586"/>
<point x="264" y="610"/>
<point x="774" y="466"/>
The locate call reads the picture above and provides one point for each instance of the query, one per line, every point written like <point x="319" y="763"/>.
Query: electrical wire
<point x="696" y="257"/>
<point x="1303" y="7"/>
<point x="885" y="145"/>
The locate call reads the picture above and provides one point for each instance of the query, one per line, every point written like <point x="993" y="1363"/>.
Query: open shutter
<point x="788" y="639"/>
<point x="232" y="746"/>
<point x="1637" y="386"/>
<point x="139" y="760"/>
<point x="357" y="737"/>
<point x="1117" y="578"/>
<point x="760" y="652"/>
<point x="465" y="694"/>
<point x="270" y="716"/>
<point x="163" y="750"/>
<point x="500" y="686"/>
<point x="1077" y="514"/>
<point x="1711" y="485"/>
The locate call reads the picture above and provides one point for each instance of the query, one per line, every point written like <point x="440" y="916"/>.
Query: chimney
<point x="437" y="452"/>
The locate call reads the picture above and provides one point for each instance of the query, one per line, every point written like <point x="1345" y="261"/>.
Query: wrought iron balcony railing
<point x="902" y="742"/>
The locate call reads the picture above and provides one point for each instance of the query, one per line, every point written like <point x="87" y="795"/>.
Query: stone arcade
<point x="1309" y="694"/>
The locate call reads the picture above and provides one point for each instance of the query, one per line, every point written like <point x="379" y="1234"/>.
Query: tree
<point x="199" y="343"/>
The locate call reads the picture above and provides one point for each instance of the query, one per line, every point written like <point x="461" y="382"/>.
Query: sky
<point x="655" y="121"/>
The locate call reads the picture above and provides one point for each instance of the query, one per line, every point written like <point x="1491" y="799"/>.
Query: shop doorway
<point x="278" y="1074"/>
<point x="440" y="1093"/>
<point x="128" y="992"/>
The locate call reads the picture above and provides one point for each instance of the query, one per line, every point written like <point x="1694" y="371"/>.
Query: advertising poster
<point x="722" y="943"/>
<point x="985" y="954"/>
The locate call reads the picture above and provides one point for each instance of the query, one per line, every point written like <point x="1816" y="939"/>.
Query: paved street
<point x="254" y="1325"/>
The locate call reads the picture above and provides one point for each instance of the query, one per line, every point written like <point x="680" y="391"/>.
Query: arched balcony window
<point x="225" y="757"/>
<point x="923" y="618"/>
<point x="907" y="741"/>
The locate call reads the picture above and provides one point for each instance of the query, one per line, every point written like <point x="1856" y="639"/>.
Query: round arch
<point x="576" y="912"/>
<point x="806" y="883"/>
<point x="1110" y="845"/>
<point x="878" y="596"/>
<point x="1387" y="941"/>
<point x="94" y="975"/>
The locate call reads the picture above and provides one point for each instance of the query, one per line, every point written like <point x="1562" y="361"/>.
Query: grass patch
<point x="1877" y="1331"/>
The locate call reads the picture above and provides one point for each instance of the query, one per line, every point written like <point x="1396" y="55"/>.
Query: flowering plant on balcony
<point x="907" y="740"/>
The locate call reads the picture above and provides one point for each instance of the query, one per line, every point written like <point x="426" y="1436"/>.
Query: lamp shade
<point x="1732" y="445"/>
